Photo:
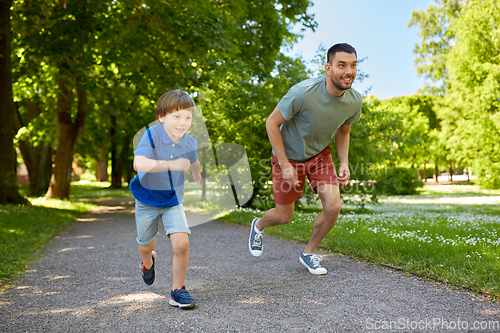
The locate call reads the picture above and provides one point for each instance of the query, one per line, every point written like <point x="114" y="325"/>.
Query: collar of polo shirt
<point x="166" y="139"/>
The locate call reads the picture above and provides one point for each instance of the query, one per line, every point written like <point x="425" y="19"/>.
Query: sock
<point x="146" y="269"/>
<point x="257" y="230"/>
<point x="308" y="254"/>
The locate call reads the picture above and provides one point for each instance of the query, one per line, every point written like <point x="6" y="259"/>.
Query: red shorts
<point x="319" y="170"/>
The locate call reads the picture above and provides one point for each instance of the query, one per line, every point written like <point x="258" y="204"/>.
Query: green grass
<point x="457" y="242"/>
<point x="25" y="230"/>
<point x="97" y="190"/>
<point x="86" y="189"/>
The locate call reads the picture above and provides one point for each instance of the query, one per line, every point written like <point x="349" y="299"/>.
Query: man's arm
<point x="342" y="146"/>
<point x="273" y="123"/>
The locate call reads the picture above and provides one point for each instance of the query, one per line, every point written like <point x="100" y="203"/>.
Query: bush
<point x="489" y="178"/>
<point x="399" y="181"/>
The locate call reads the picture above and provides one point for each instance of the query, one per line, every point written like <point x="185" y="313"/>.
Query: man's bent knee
<point x="284" y="214"/>
<point x="332" y="209"/>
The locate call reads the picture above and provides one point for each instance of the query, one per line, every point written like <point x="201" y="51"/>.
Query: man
<point x="300" y="130"/>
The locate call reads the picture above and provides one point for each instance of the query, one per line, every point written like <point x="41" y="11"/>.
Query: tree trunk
<point x="203" y="177"/>
<point x="38" y="160"/>
<point x="436" y="171"/>
<point x="8" y="177"/>
<point x="40" y="183"/>
<point x="130" y="176"/>
<point x="117" y="170"/>
<point x="102" y="165"/>
<point x="67" y="134"/>
<point x="450" y="172"/>
<point x="115" y="173"/>
<point x="425" y="171"/>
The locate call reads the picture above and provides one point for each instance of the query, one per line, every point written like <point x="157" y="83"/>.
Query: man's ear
<point x="160" y="120"/>
<point x="327" y="67"/>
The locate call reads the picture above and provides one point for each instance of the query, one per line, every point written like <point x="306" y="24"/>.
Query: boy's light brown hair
<point x="174" y="101"/>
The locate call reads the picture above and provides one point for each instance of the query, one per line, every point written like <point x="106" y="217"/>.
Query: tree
<point x="236" y="110"/>
<point x="437" y="39"/>
<point x="416" y="142"/>
<point x="467" y="63"/>
<point x="33" y="94"/>
<point x="474" y="79"/>
<point x="162" y="47"/>
<point x="8" y="178"/>
<point x="93" y="51"/>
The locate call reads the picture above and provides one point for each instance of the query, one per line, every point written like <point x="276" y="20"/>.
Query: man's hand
<point x="289" y="174"/>
<point x="344" y="174"/>
<point x="197" y="178"/>
<point x="180" y="164"/>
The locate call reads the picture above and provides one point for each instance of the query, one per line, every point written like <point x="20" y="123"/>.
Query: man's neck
<point x="332" y="89"/>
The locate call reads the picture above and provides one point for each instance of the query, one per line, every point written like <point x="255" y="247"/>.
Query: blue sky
<point x="378" y="30"/>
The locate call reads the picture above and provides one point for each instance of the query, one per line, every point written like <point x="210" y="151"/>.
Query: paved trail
<point x="89" y="281"/>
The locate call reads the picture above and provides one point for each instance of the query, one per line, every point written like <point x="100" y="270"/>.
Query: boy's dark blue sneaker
<point x="181" y="298"/>
<point x="148" y="275"/>
<point x="255" y="240"/>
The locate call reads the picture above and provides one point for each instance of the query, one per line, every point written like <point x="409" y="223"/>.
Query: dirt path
<point x="89" y="281"/>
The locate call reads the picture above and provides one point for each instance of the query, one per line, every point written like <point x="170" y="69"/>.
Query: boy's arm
<point x="144" y="164"/>
<point x="195" y="169"/>
<point x="342" y="146"/>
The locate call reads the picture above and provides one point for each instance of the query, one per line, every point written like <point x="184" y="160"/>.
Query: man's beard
<point x="340" y="87"/>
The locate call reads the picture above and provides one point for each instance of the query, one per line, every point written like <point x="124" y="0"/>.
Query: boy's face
<point x="177" y="123"/>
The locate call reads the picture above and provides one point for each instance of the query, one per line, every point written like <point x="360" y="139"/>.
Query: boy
<point x="163" y="156"/>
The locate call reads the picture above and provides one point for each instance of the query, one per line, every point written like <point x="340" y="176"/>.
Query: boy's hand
<point x="180" y="164"/>
<point x="197" y="178"/>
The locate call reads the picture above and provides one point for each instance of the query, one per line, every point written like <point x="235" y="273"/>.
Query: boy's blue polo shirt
<point x="162" y="189"/>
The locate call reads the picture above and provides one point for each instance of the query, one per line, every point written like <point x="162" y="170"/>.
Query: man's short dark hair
<point x="341" y="47"/>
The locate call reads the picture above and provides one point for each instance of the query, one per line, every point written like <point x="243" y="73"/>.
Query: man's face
<point x="177" y="123"/>
<point x="342" y="70"/>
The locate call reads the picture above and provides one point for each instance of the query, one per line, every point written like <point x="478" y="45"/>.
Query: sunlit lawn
<point x="97" y="190"/>
<point x="25" y="230"/>
<point x="447" y="234"/>
<point x="86" y="189"/>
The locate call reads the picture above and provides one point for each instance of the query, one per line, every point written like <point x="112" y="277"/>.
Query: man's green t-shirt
<point x="313" y="116"/>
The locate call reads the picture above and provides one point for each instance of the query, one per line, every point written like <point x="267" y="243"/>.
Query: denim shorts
<point x="147" y="218"/>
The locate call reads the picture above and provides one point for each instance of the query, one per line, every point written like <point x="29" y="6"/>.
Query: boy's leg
<point x="180" y="246"/>
<point x="145" y="253"/>
<point x="179" y="295"/>
<point x="146" y="218"/>
<point x="326" y="219"/>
